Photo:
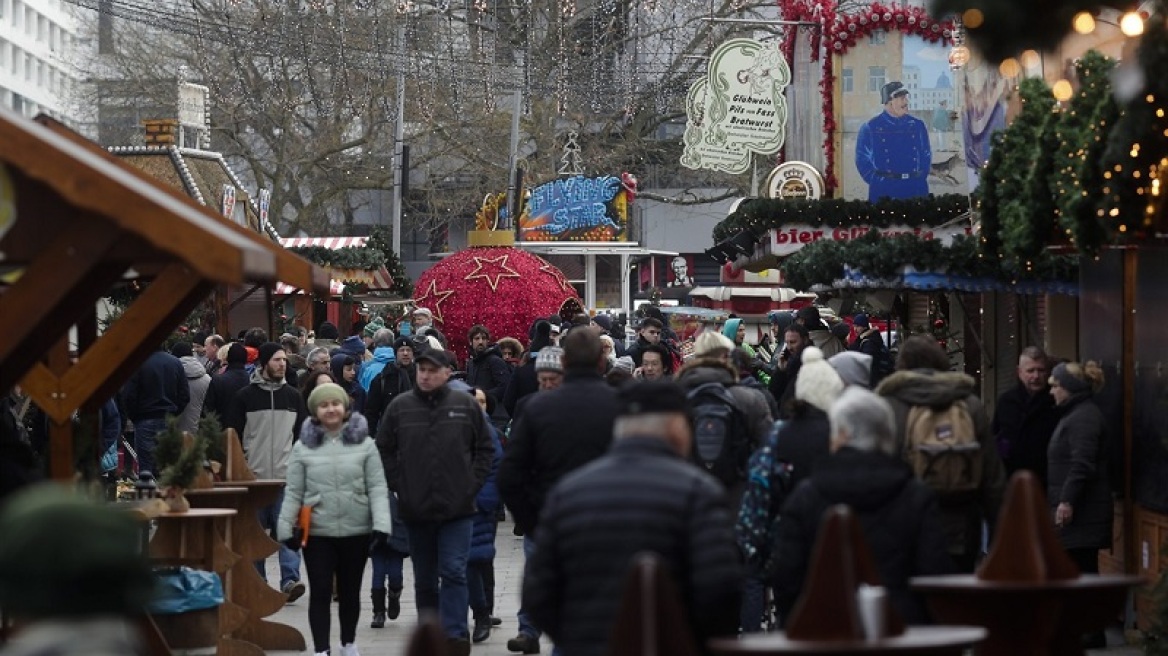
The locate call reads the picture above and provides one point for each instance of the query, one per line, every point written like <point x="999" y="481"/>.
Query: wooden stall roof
<point x="82" y="221"/>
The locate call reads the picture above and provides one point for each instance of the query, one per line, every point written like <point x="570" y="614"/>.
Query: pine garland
<point x="211" y="433"/>
<point x="1082" y="135"/>
<point x="352" y="257"/>
<point x="1138" y="142"/>
<point x="763" y="214"/>
<point x="1025" y="206"/>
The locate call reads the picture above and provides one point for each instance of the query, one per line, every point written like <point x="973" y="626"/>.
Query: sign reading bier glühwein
<point x="738" y="109"/>
<point x="780" y="243"/>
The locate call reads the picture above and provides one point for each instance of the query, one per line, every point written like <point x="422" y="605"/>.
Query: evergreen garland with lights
<point x="1133" y="160"/>
<point x="1018" y="219"/>
<point x="352" y="257"/>
<point x="1082" y="135"/>
<point x="381" y="240"/>
<point x="1007" y="27"/>
<point x="760" y="215"/>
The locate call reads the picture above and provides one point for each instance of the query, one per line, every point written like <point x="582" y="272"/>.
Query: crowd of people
<point x="717" y="455"/>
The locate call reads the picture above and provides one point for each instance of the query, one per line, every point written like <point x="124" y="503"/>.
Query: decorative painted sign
<point x="265" y="204"/>
<point x="228" y="207"/>
<point x="738" y="109"/>
<point x="192" y="106"/>
<point x="576" y="209"/>
<point x="794" y="181"/>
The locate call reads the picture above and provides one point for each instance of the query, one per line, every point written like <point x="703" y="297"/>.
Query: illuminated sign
<point x="794" y="181"/>
<point x="576" y="209"/>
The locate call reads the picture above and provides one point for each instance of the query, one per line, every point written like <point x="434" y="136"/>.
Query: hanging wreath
<point x="840" y="33"/>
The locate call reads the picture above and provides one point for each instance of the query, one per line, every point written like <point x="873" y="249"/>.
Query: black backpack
<point x="721" y="433"/>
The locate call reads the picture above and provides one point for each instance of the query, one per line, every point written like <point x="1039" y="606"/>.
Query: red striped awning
<point x="379" y="280"/>
<point x="327" y="242"/>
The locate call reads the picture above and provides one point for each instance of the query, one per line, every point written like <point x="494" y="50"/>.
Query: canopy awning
<point x="374" y="279"/>
<point x="325" y="242"/>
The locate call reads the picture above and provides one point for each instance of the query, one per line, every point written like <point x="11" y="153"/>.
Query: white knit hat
<point x="818" y="383"/>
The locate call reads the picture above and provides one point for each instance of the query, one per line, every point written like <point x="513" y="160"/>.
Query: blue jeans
<point x="289" y="560"/>
<point x="145" y="434"/>
<point x="387" y="568"/>
<point x="525" y="625"/>
<point x="439" y="552"/>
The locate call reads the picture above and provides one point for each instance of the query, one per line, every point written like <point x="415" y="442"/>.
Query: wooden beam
<point x="243" y="297"/>
<point x="60" y="428"/>
<point x="45" y="289"/>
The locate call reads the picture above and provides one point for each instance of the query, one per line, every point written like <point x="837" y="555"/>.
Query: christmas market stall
<point x="74" y="223"/>
<point x="206" y="177"/>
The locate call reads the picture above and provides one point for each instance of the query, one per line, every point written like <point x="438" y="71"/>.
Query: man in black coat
<point x="900" y="516"/>
<point x="159" y="388"/>
<point x="397" y="377"/>
<point x="224" y="386"/>
<point x="486" y="369"/>
<point x="1026" y="416"/>
<point x="558" y="432"/>
<point x="641" y="496"/>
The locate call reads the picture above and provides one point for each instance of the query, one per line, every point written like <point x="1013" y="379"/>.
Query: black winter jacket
<point x="523" y="382"/>
<point x="1078" y="475"/>
<point x="385" y="386"/>
<point x="223" y="389"/>
<point x="639" y="497"/>
<point x="157" y="389"/>
<point x="961" y="517"/>
<point x="437" y="453"/>
<point x="489" y="371"/>
<point x="1023" y="424"/>
<point x="899" y="516"/>
<point x="559" y="431"/>
<point x="803" y="442"/>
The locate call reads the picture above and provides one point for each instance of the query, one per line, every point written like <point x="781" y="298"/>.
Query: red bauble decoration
<point x="939" y="323"/>
<point x="504" y="289"/>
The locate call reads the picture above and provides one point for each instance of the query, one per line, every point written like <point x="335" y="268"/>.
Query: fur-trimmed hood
<point x="925" y="387"/>
<point x="699" y="370"/>
<point x="354" y="432"/>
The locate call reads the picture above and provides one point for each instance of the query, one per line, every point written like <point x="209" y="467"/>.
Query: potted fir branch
<point x="180" y="460"/>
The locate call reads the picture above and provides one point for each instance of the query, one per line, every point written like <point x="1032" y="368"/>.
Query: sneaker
<point x="322" y="653"/>
<point x="496" y="621"/>
<point x="350" y="650"/>
<point x="523" y="644"/>
<point x="378" y="621"/>
<point x="294" y="590"/>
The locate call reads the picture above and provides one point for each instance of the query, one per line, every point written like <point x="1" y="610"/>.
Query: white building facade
<point x="36" y="39"/>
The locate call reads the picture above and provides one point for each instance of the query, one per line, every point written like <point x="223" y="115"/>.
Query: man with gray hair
<point x="383" y="354"/>
<point x="641" y="496"/>
<point x="899" y="515"/>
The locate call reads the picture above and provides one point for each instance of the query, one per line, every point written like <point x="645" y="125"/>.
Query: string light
<point x="1132" y="24"/>
<point x="1084" y="22"/>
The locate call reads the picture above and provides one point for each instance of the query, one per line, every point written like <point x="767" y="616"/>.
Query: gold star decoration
<point x="500" y="270"/>
<point x="433" y="299"/>
<point x="554" y="272"/>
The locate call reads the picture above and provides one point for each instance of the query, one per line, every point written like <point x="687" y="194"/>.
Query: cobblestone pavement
<point x="392" y="640"/>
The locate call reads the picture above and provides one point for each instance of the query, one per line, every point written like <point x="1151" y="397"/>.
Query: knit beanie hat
<point x="402" y="342"/>
<point x="604" y="321"/>
<point x="818" y="384"/>
<point x="236" y="354"/>
<point x="550" y="358"/>
<point x="327" y="330"/>
<point x="853" y="367"/>
<point x="267" y="350"/>
<point x="327" y="392"/>
<point x="1067" y="380"/>
<point x="625" y="363"/>
<point x="709" y="342"/>
<point x="46" y="572"/>
<point x="373" y="326"/>
<point x="181" y="349"/>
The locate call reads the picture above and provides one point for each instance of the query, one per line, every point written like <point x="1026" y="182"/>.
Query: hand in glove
<point x="378" y="541"/>
<point x="294" y="543"/>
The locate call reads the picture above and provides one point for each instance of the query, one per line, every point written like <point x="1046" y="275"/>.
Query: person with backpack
<point x="898" y="515"/>
<point x="946" y="439"/>
<point x="869" y="341"/>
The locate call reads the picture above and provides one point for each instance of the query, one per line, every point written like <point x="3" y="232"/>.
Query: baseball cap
<point x="434" y="356"/>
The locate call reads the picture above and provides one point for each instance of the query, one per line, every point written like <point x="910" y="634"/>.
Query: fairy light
<point x="1084" y="22"/>
<point x="1132" y="24"/>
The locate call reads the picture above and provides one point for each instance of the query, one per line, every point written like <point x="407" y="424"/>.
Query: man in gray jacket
<point x="437" y="453"/>
<point x="267" y="414"/>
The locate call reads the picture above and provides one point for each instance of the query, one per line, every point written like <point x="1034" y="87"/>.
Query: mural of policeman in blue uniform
<point x="892" y="150"/>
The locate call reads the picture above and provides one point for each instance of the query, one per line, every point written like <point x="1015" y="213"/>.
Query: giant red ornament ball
<point x="505" y="289"/>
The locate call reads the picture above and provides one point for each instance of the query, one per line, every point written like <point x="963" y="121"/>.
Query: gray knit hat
<point x="550" y="358"/>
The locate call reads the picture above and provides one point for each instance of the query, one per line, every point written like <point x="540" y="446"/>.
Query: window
<point x="878" y="38"/>
<point x="875" y="78"/>
<point x="3" y="53"/>
<point x="846" y="81"/>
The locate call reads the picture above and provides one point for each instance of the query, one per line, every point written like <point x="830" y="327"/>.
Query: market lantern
<point x="503" y="288"/>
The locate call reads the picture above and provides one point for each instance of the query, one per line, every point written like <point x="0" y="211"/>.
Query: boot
<point x="393" y="604"/>
<point x="378" y="595"/>
<point x="457" y="647"/>
<point x="481" y="630"/>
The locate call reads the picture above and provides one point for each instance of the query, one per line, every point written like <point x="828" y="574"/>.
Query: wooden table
<point x="927" y="641"/>
<point x="1027" y="618"/>
<point x="250" y="591"/>
<point x="231" y="614"/>
<point x="194" y="539"/>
